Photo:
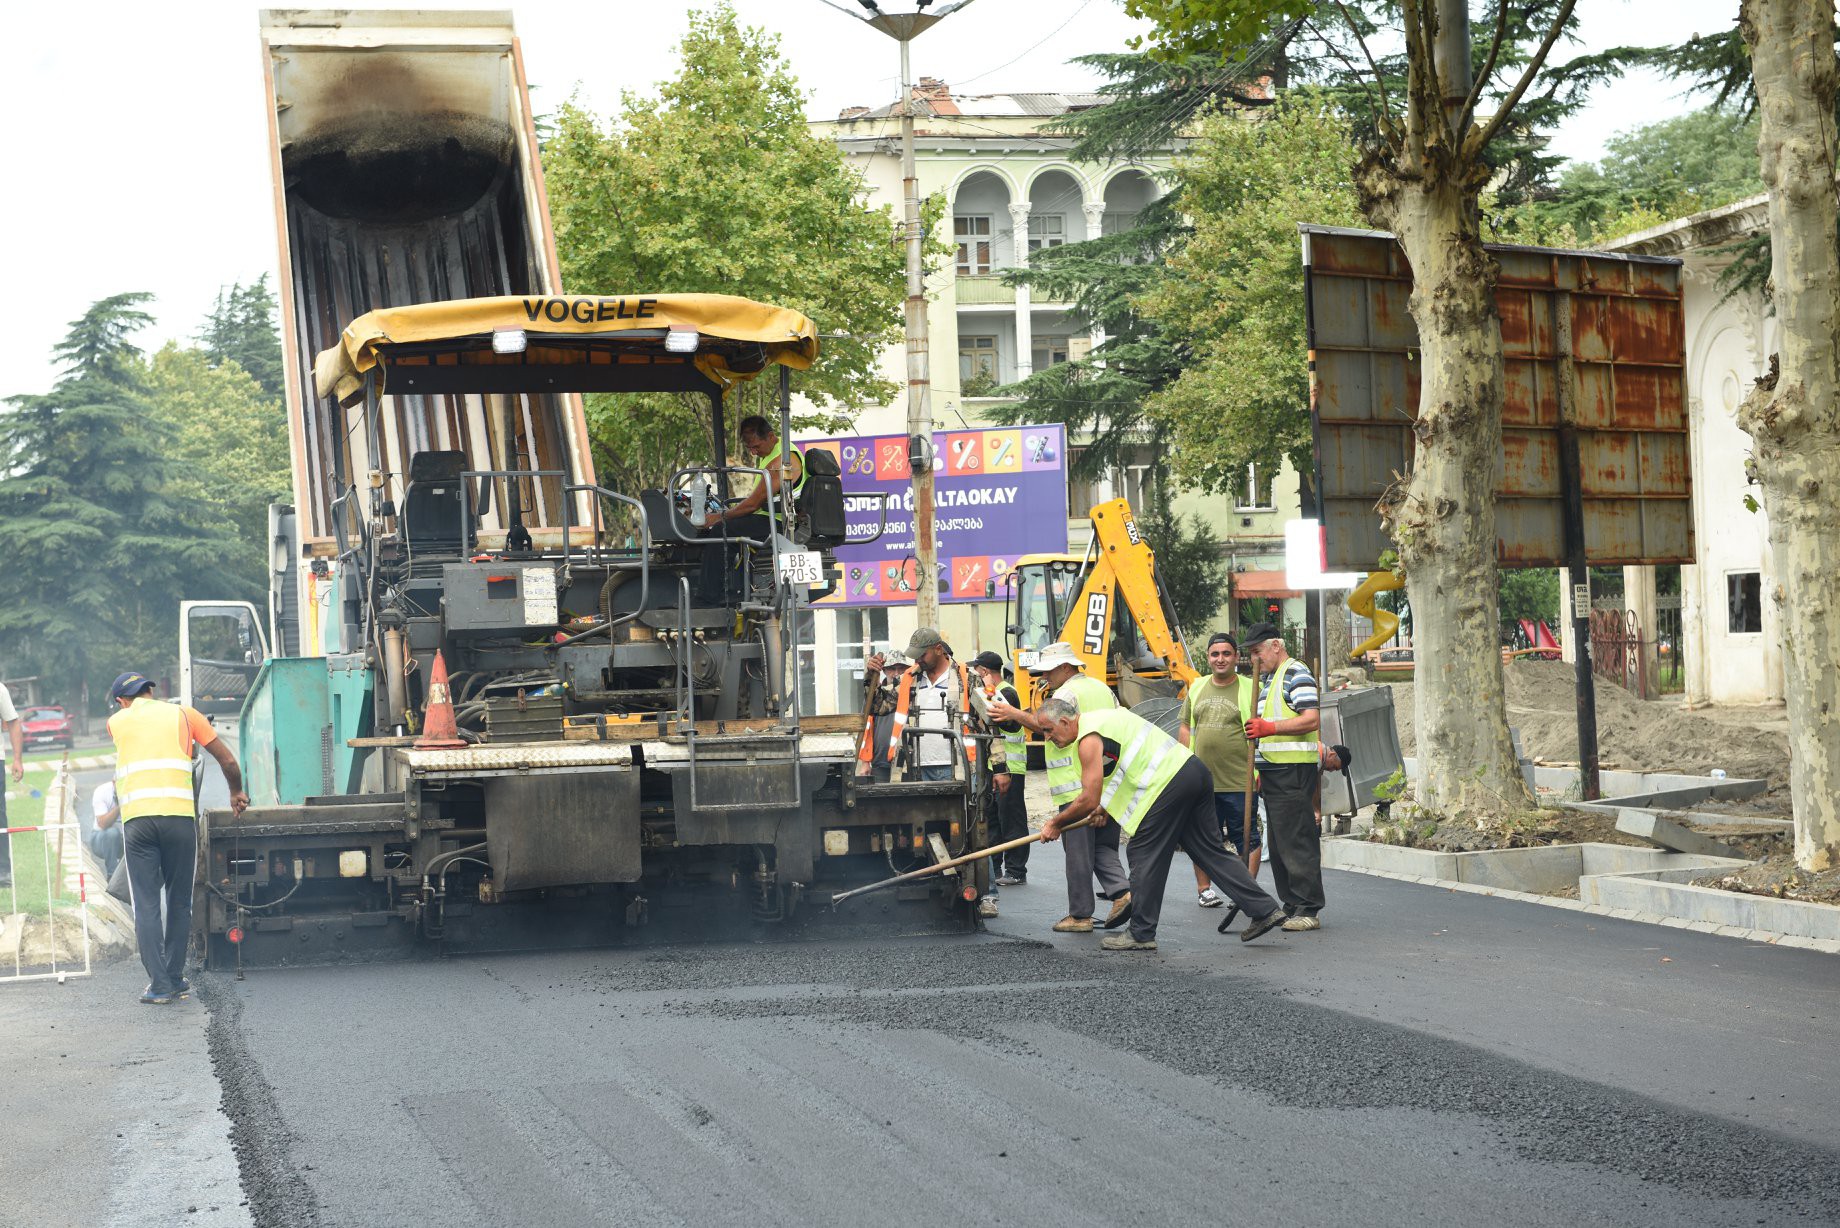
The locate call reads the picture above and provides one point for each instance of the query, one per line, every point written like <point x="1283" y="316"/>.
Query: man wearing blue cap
<point x="154" y="745"/>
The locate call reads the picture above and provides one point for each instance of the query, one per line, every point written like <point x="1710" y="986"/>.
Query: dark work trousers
<point x="1093" y="851"/>
<point x="1293" y="847"/>
<point x="162" y="854"/>
<point x="1183" y="817"/>
<point x="1013" y="824"/>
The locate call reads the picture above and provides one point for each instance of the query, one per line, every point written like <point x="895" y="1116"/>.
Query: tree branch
<point x="1419" y="61"/>
<point x="1520" y="87"/>
<point x="1386" y="104"/>
<point x="1468" y="114"/>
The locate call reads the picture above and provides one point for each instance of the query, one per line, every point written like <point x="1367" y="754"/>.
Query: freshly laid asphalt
<point x="1428" y="1057"/>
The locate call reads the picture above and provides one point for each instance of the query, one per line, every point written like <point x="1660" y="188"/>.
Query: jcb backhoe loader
<point x="1109" y="604"/>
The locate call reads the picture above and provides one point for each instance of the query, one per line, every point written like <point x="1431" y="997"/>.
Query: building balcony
<point x="984" y="289"/>
<point x="990" y="290"/>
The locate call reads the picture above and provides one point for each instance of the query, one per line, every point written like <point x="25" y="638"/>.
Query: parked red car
<point x="45" y="726"/>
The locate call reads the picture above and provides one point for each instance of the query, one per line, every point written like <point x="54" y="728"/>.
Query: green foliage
<point x="1356" y="51"/>
<point x="241" y="329"/>
<point x="1392" y="788"/>
<point x="1530" y="593"/>
<point x="1650" y="174"/>
<point x="229" y="449"/>
<point x="716" y="186"/>
<point x="1188" y="561"/>
<point x="101" y="537"/>
<point x="1232" y="297"/>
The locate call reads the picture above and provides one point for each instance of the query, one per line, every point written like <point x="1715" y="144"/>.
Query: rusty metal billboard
<point x="1590" y="340"/>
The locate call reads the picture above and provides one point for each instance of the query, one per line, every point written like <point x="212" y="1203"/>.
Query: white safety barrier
<point x="60" y="855"/>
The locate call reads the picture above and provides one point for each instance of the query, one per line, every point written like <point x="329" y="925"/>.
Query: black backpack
<point x="820" y="502"/>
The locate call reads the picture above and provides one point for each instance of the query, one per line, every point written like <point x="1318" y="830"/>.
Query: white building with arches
<point x="1010" y="189"/>
<point x="1731" y="635"/>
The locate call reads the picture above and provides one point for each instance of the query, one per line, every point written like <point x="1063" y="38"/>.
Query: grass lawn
<point x="29" y="890"/>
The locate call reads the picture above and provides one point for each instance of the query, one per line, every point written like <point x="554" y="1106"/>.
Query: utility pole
<point x="904" y="28"/>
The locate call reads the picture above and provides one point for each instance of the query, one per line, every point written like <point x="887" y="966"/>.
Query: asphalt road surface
<point x="1429" y="1057"/>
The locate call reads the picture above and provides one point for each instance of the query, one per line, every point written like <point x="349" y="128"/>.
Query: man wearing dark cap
<point x="1289" y="763"/>
<point x="935" y="689"/>
<point x="1009" y="765"/>
<point x="154" y="744"/>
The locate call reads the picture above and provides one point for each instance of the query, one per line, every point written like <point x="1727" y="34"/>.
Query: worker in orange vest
<point x="154" y="744"/>
<point x="886" y="670"/>
<point x="938" y="690"/>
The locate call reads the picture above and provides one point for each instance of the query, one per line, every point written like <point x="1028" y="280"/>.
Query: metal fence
<point x="48" y="900"/>
<point x="1670" y="664"/>
<point x="1620" y="654"/>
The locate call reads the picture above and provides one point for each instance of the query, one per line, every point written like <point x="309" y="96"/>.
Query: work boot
<point x="1302" y="922"/>
<point x="1121" y="912"/>
<point x="1264" y="925"/>
<point x="1073" y="925"/>
<point x="987" y="907"/>
<point x="1124" y="942"/>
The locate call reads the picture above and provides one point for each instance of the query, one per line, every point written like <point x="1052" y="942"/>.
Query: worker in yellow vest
<point x="1289" y="763"/>
<point x="1091" y="852"/>
<point x="154" y="743"/>
<point x="1163" y="798"/>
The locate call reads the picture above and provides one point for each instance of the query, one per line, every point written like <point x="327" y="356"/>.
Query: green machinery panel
<point x="295" y="725"/>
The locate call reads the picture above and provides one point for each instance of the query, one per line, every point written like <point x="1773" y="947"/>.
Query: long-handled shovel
<point x="941" y="866"/>
<point x="1248" y="816"/>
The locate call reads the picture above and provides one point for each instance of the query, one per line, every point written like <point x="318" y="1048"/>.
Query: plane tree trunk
<point x="1793" y="413"/>
<point x="1422" y="182"/>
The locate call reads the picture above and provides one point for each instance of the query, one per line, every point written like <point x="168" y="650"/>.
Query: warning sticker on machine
<point x="539" y="597"/>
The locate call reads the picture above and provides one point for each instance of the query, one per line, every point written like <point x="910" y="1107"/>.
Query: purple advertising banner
<point x="998" y="494"/>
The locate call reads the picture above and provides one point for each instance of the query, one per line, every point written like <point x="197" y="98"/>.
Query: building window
<point x="1116" y="223"/>
<point x="1255" y="495"/>
<point x="977" y="365"/>
<point x="1744" y="602"/>
<point x="972" y="234"/>
<point x="1046" y="230"/>
<point x="1049" y="352"/>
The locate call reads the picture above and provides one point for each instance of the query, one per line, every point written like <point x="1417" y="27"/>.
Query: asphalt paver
<point x="1429" y="1057"/>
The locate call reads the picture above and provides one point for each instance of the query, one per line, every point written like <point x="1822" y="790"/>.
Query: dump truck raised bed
<point x="621" y="671"/>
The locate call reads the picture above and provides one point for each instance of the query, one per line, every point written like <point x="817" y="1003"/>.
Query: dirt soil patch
<point x="1776" y="804"/>
<point x="1781" y="878"/>
<point x="1549" y="827"/>
<point x="1564" y="826"/>
<point x="1634" y="734"/>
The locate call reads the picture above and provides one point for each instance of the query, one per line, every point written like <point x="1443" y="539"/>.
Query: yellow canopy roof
<point x="598" y="342"/>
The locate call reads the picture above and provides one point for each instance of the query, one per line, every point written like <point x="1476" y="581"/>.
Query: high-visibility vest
<point x="1087" y="694"/>
<point x="1148" y="759"/>
<point x="905" y="696"/>
<point x="153" y="760"/>
<point x="1015" y="743"/>
<point x="772" y="463"/>
<point x="1283" y="748"/>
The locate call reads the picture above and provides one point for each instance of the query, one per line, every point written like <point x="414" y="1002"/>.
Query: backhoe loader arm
<point x="1134" y="578"/>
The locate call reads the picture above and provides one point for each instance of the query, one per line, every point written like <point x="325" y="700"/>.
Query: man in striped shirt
<point x="1289" y="761"/>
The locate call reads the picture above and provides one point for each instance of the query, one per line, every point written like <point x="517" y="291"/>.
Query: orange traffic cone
<point x="439" y="732"/>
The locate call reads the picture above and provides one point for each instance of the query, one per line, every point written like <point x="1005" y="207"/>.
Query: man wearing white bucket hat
<point x="1090" y="851"/>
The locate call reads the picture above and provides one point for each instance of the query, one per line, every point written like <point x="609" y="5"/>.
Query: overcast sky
<point x="141" y="159"/>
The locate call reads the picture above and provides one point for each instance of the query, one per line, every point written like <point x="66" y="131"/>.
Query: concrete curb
<point x="1622" y="888"/>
